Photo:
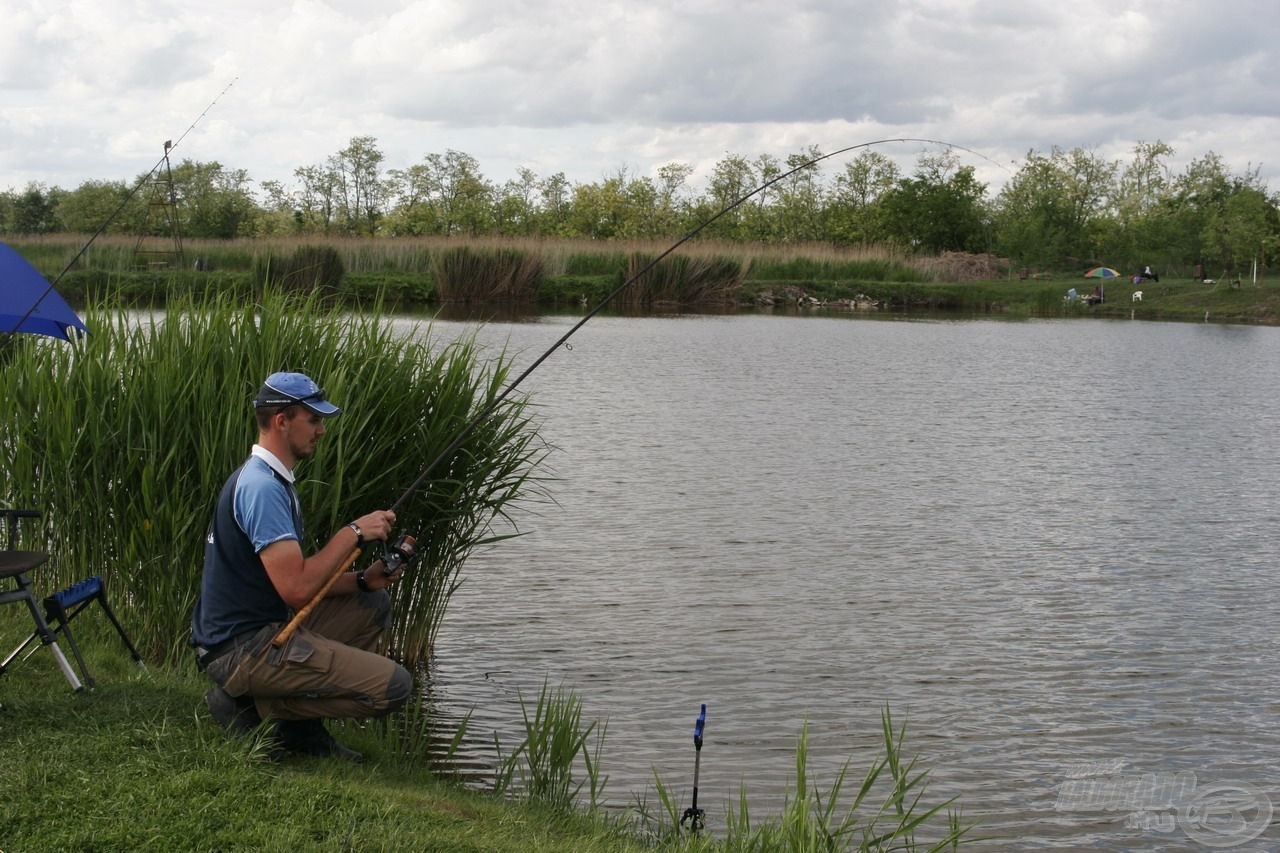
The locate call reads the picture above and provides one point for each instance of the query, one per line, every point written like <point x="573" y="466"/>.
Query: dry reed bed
<point x="417" y="255"/>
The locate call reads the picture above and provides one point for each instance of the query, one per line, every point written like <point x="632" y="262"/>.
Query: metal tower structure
<point x="159" y="244"/>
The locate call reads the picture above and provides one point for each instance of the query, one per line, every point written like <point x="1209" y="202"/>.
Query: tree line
<point x="1059" y="209"/>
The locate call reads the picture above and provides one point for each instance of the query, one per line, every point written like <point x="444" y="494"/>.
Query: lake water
<point x="1049" y="547"/>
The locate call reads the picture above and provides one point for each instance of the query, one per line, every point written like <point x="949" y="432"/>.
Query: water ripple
<point x="1041" y="544"/>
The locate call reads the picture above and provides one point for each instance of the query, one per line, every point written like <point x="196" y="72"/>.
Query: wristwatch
<point x="355" y="528"/>
<point x="362" y="583"/>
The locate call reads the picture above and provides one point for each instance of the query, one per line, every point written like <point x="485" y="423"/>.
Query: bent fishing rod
<point x="287" y="631"/>
<point x="168" y="147"/>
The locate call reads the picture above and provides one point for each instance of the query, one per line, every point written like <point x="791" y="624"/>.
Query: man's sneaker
<point x="238" y="716"/>
<point x="309" y="737"/>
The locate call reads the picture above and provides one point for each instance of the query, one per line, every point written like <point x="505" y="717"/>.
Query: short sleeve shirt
<point x="256" y="507"/>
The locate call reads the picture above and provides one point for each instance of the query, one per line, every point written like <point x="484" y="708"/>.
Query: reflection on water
<point x="1044" y="545"/>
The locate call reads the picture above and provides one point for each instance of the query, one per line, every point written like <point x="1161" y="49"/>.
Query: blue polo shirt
<point x="256" y="507"/>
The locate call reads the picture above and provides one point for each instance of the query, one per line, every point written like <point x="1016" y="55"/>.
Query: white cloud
<point x="90" y="90"/>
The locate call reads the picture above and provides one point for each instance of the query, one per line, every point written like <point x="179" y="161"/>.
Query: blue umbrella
<point x="28" y="303"/>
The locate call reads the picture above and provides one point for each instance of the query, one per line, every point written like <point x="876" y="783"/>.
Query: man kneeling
<point x="256" y="576"/>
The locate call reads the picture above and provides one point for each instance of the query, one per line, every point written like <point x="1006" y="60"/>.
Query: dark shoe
<point x="309" y="737"/>
<point x="238" y="716"/>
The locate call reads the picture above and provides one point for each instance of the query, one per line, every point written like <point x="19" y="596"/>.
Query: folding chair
<point x="14" y="566"/>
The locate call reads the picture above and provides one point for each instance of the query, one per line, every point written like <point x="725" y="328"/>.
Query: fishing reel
<point x="399" y="554"/>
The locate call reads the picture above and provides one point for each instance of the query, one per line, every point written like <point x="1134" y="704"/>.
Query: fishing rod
<point x="563" y="339"/>
<point x="169" y="145"/>
<point x="501" y="397"/>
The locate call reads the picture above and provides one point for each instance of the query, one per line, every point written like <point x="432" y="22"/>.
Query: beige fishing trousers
<point x="328" y="668"/>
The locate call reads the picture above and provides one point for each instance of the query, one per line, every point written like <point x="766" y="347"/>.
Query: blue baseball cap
<point x="288" y="389"/>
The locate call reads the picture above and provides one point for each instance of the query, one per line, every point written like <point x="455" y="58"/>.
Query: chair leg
<point x="47" y="638"/>
<point x="102" y="599"/>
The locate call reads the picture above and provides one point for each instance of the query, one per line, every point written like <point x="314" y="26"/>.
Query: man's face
<point x="305" y="429"/>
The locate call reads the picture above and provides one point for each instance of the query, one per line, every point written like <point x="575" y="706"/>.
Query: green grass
<point x="542" y="766"/>
<point x="137" y="764"/>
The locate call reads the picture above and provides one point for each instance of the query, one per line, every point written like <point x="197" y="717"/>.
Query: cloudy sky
<point x="91" y="89"/>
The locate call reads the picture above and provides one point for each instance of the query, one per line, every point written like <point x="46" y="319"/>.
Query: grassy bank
<point x="137" y="764"/>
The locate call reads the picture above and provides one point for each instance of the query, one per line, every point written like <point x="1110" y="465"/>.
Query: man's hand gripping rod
<point x="394" y="560"/>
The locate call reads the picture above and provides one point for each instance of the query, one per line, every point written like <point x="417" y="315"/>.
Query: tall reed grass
<point x="463" y="274"/>
<point x="543" y="767"/>
<point x="124" y="438"/>
<point x="309" y="269"/>
<point x="418" y="255"/>
<point x="681" y="279"/>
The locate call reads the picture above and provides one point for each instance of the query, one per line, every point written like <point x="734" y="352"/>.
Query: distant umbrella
<point x="1102" y="272"/>
<point x="28" y="303"/>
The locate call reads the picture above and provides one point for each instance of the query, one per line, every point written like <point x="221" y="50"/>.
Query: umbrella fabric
<point x="1102" y="272"/>
<point x="29" y="304"/>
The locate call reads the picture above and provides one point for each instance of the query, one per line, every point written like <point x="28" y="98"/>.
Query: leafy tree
<point x="671" y="197"/>
<point x="731" y="179"/>
<point x="1044" y="213"/>
<point x="33" y="211"/>
<point x="641" y="216"/>
<point x="94" y="204"/>
<point x="1143" y="185"/>
<point x="555" y="195"/>
<point x="853" y="204"/>
<point x="1243" y="230"/>
<point x="213" y="201"/>
<point x="939" y="208"/>
<point x="798" y="213"/>
<point x="359" y="185"/>
<point x="444" y="194"/>
<point x="515" y="205"/>
<point x="317" y="198"/>
<point x="758" y="224"/>
<point x="280" y="213"/>
<point x="599" y="211"/>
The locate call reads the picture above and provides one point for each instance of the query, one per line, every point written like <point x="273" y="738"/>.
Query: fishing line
<point x="168" y="146"/>
<point x="563" y="339"/>
<point x="288" y="630"/>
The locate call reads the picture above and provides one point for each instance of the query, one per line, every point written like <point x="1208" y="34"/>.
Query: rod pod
<point x="693" y="815"/>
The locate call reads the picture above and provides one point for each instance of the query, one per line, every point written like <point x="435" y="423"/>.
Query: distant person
<point x="1149" y="275"/>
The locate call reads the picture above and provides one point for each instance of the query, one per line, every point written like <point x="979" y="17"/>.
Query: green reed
<point x="542" y="766"/>
<point x="309" y="269"/>
<point x="682" y="279"/>
<point x="463" y="274"/>
<point x="124" y="438"/>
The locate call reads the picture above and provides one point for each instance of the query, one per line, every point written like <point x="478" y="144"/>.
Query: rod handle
<point x="288" y="630"/>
